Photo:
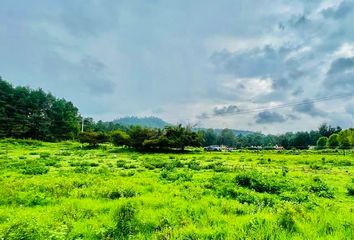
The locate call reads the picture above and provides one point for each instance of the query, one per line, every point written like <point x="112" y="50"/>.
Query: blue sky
<point x="197" y="62"/>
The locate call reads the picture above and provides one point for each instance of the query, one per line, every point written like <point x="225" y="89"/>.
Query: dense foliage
<point x="298" y="140"/>
<point x="27" y="113"/>
<point x="149" y="122"/>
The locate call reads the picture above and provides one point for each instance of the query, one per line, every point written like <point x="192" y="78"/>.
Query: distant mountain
<point x="151" y="122"/>
<point x="155" y="122"/>
<point x="235" y="131"/>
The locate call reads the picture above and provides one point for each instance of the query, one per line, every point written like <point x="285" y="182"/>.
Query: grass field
<point x="62" y="191"/>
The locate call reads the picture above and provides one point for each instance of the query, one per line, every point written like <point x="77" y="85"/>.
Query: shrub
<point x="333" y="141"/>
<point x="119" y="193"/>
<point x="120" y="138"/>
<point x="33" y="169"/>
<point x="298" y="196"/>
<point x="93" y="138"/>
<point x="284" y="171"/>
<point x="173" y="176"/>
<point x="84" y="164"/>
<point x="257" y="182"/>
<point x="322" y="143"/>
<point x="155" y="163"/>
<point x="287" y="221"/>
<point x="44" y="155"/>
<point x="24" y="230"/>
<point x="350" y="189"/>
<point x="52" y="162"/>
<point x="194" y="165"/>
<point x="81" y="169"/>
<point x="121" y="163"/>
<point x="320" y="188"/>
<point x="126" y="223"/>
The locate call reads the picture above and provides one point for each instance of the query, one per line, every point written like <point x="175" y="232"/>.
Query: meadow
<point x="67" y="191"/>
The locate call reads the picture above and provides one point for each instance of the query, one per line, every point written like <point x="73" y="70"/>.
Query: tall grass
<point x="61" y="191"/>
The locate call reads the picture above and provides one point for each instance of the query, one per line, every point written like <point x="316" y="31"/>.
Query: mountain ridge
<point x="156" y="122"/>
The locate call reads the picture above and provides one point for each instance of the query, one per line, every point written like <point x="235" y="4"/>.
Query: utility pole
<point x="82" y="125"/>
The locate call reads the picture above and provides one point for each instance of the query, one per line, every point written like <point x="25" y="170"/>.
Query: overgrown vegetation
<point x="64" y="191"/>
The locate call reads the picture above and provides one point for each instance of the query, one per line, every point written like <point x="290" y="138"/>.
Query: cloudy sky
<point x="222" y="63"/>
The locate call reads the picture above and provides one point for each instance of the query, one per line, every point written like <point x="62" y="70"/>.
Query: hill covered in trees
<point x="234" y="131"/>
<point x="150" y="122"/>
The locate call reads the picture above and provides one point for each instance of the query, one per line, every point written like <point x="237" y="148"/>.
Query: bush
<point x="119" y="193"/>
<point x="194" y="165"/>
<point x="246" y="196"/>
<point x="287" y="221"/>
<point x="126" y="223"/>
<point x="322" y="143"/>
<point x="24" y="230"/>
<point x="33" y="169"/>
<point x="350" y="189"/>
<point x="333" y="141"/>
<point x="120" y="138"/>
<point x="155" y="163"/>
<point x="121" y="163"/>
<point x="320" y="188"/>
<point x="93" y="138"/>
<point x="44" y="155"/>
<point x="257" y="182"/>
<point x="173" y="176"/>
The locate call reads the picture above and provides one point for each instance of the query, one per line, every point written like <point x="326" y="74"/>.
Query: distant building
<point x="276" y="147"/>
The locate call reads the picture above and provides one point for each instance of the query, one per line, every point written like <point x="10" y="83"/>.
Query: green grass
<point x="63" y="191"/>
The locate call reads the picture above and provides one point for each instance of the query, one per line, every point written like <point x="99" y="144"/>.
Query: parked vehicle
<point x="213" y="148"/>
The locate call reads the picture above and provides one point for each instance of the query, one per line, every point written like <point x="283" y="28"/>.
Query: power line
<point x="294" y="104"/>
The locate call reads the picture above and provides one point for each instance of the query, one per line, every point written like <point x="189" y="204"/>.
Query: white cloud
<point x="346" y="50"/>
<point x="184" y="58"/>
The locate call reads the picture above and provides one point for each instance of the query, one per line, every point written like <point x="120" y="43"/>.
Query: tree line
<point x="178" y="137"/>
<point x="298" y="140"/>
<point x="143" y="138"/>
<point x="35" y="114"/>
<point x="342" y="140"/>
<point x="28" y="113"/>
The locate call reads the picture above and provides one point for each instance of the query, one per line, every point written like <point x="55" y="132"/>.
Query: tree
<point x="327" y="130"/>
<point x="322" y="143"/>
<point x="180" y="137"/>
<point x="139" y="134"/>
<point x="65" y="120"/>
<point x="93" y="138"/>
<point x="284" y="140"/>
<point x="314" y="136"/>
<point x="209" y="137"/>
<point x="6" y="108"/>
<point x="268" y="141"/>
<point x="344" y="139"/>
<point x="28" y="113"/>
<point x="160" y="142"/>
<point x="254" y="139"/>
<point x="227" y="137"/>
<point x="301" y="140"/>
<point x="333" y="141"/>
<point x="120" y="138"/>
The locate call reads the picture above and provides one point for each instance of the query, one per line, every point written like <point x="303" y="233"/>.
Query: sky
<point x="220" y="64"/>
